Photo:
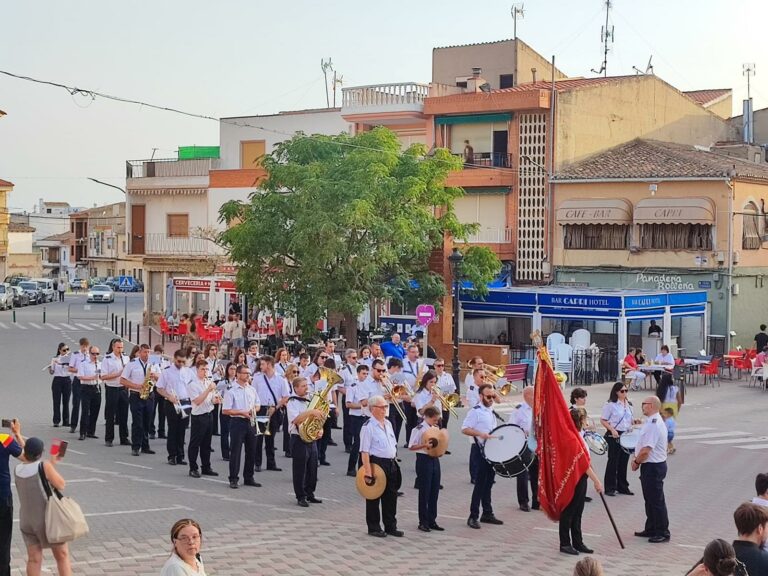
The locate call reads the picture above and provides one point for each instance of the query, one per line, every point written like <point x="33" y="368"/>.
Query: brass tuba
<point x="311" y="428"/>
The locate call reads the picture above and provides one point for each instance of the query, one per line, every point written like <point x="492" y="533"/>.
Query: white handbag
<point x="64" y="520"/>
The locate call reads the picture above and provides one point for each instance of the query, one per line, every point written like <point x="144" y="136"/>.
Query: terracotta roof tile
<point x="710" y="96"/>
<point x="653" y="159"/>
<point x="64" y="238"/>
<point x="566" y="84"/>
<point x="19" y="227"/>
<point x="5" y="183"/>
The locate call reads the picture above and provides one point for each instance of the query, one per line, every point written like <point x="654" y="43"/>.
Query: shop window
<point x="676" y="237"/>
<point x="750" y="235"/>
<point x="178" y="225"/>
<point x="595" y="237"/>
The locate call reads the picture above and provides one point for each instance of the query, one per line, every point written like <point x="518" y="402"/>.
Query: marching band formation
<point x="249" y="400"/>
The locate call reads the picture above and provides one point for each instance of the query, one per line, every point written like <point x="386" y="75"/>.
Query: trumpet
<point x="494" y="375"/>
<point x="448" y="402"/>
<point x="394" y="396"/>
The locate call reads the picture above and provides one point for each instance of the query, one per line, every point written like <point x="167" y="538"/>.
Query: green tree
<point x="343" y="219"/>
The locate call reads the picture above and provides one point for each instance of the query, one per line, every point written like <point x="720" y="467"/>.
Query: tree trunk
<point x="350" y="329"/>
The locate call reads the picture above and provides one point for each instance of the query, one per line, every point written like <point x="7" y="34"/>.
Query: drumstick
<point x="613" y="523"/>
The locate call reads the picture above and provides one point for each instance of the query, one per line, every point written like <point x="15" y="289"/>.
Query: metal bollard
<point x="43" y="314"/>
<point x="130" y="330"/>
<point x="149" y="336"/>
<point x="14" y="315"/>
<point x="114" y="324"/>
<point x="122" y="327"/>
<point x="138" y="333"/>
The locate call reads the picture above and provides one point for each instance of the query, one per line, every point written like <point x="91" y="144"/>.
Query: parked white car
<point x="46" y="287"/>
<point x="101" y="293"/>
<point x="6" y="296"/>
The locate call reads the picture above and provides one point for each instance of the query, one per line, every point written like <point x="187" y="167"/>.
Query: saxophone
<point x="311" y="428"/>
<point x="147" y="387"/>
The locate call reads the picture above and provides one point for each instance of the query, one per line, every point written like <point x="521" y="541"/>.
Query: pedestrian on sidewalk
<point x="62" y="289"/>
<point x="10" y="445"/>
<point x="187" y="539"/>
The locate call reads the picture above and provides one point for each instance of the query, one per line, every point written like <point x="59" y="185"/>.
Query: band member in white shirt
<point x="523" y="417"/>
<point x="116" y="409"/>
<point x="240" y="403"/>
<point x="252" y="358"/>
<point x="349" y="374"/>
<point x="160" y="363"/>
<point x="357" y="399"/>
<point x="172" y="386"/>
<point x="74" y="361"/>
<point x="412" y="367"/>
<point x="273" y="392"/>
<point x="133" y="377"/>
<point x="61" y="386"/>
<point x="204" y="396"/>
<point x="89" y="374"/>
<point x="304" y="454"/>
<point x="215" y="373"/>
<point x="470" y="382"/>
<point x="224" y="385"/>
<point x="446" y="386"/>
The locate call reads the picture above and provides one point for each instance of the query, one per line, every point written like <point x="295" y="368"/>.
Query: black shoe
<point x="314" y="500"/>
<point x="252" y="483"/>
<point x="288" y="455"/>
<point x="525" y="508"/>
<point x="405" y="445"/>
<point x="82" y="437"/>
<point x="491" y="520"/>
<point x="225" y="457"/>
<point x="348" y="450"/>
<point x="55" y="425"/>
<point x="611" y="493"/>
<point x="333" y="444"/>
<point x="194" y="473"/>
<point x="148" y="451"/>
<point x="172" y="462"/>
<point x="569" y="550"/>
<point x="587" y="498"/>
<point x="325" y="463"/>
<point x="659" y="539"/>
<point x="435" y="526"/>
<point x="351" y="473"/>
<point x="274" y="469"/>
<point x="400" y="494"/>
<point x="108" y="443"/>
<point x="643" y="534"/>
<point x="396" y="533"/>
<point x="92" y="436"/>
<point x="377" y="533"/>
<point x="212" y="450"/>
<point x="209" y="472"/>
<point x="473" y="523"/>
<point x="181" y="462"/>
<point x="135" y="452"/>
<point x="72" y="430"/>
<point x="258" y="468"/>
<point x="152" y="436"/>
<point x="162" y="436"/>
<point x="583" y="549"/>
<point x="303" y="503"/>
<point x="536" y="506"/>
<point x="627" y="492"/>
<point x="124" y="443"/>
<point x="233" y="484"/>
<point x="447" y="451"/>
<point x="335" y="427"/>
<point x="424" y="528"/>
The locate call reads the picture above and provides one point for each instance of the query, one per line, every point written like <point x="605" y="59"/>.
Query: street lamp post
<point x="455" y="260"/>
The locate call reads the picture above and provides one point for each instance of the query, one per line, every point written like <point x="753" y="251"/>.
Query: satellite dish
<point x="485" y="87"/>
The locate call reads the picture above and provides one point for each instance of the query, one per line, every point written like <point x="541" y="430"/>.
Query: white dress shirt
<point x="60" y="366"/>
<point x="481" y="419"/>
<point x="378" y="439"/>
<point x="618" y="414"/>
<point x="240" y="398"/>
<point x="112" y="364"/>
<point x="174" y="381"/>
<point x="446" y="384"/>
<point x="416" y="437"/>
<point x="135" y="371"/>
<point x="296" y="405"/>
<point x="357" y="392"/>
<point x="523" y="417"/>
<point x="87" y="370"/>
<point x="654" y="436"/>
<point x="423" y="398"/>
<point x="76" y="359"/>
<point x="196" y="387"/>
<point x="271" y="390"/>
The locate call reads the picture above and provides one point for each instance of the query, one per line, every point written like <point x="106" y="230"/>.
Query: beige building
<point x="23" y="259"/>
<point x="107" y="244"/>
<point x="717" y="100"/>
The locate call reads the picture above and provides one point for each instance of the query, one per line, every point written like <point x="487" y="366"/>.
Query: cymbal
<point x="375" y="490"/>
<point x="441" y="435"/>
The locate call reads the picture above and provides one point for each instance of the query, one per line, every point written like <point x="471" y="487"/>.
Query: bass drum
<point x="507" y="452"/>
<point x="628" y="441"/>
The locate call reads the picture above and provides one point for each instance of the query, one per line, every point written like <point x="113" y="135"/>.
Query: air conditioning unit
<point x="735" y="289"/>
<point x="735" y="257"/>
<point x="720" y="257"/>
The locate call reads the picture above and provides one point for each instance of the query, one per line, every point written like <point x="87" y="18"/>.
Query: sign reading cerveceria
<point x="664" y="281"/>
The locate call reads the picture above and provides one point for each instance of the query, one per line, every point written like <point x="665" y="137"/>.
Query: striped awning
<point x="167" y="191"/>
<point x="675" y="211"/>
<point x="594" y="211"/>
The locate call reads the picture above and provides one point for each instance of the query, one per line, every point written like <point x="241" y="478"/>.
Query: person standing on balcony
<point x="469" y="154"/>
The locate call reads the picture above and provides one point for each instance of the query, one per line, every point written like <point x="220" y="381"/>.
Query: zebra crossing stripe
<point x="68" y="327"/>
<point x="711" y="435"/>
<point x="20" y="326"/>
<point x="3" y="325"/>
<point x="36" y="326"/>
<point x="756" y="447"/>
<point x="83" y="326"/>
<point x="692" y="429"/>
<point x="735" y="441"/>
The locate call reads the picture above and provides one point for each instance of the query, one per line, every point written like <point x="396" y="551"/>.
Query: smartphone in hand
<point x="6" y="423"/>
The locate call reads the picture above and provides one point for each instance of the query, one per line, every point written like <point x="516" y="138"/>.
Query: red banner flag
<point x="563" y="458"/>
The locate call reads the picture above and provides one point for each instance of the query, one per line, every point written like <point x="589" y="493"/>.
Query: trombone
<point x="448" y="401"/>
<point x="395" y="393"/>
<point x="494" y="375"/>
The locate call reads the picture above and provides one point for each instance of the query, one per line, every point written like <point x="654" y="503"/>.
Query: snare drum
<point x="508" y="451"/>
<point x="628" y="441"/>
<point x="596" y="443"/>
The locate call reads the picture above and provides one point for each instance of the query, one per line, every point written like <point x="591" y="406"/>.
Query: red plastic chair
<point x="214" y="334"/>
<point x="181" y="330"/>
<point x="166" y="329"/>
<point x="711" y="370"/>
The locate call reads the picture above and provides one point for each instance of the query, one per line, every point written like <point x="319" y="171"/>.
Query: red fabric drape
<point x="563" y="459"/>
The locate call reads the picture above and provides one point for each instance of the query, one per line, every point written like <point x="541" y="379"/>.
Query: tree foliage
<point x="343" y="219"/>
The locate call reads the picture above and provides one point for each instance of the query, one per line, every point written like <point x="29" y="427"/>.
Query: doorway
<point x="500" y="150"/>
<point x="138" y="215"/>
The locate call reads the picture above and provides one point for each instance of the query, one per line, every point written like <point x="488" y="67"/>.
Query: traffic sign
<point x="425" y="314"/>
<point x="125" y="282"/>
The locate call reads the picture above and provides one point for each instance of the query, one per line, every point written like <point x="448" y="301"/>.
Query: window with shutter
<point x="178" y="225"/>
<point x="251" y="153"/>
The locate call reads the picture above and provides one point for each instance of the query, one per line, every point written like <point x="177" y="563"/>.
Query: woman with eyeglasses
<point x="446" y="385"/>
<point x="187" y="539"/>
<point x="617" y="419"/>
<point x="61" y="386"/>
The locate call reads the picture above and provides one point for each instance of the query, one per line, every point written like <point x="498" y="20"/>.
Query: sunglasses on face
<point x="379" y="370"/>
<point x="623" y="391"/>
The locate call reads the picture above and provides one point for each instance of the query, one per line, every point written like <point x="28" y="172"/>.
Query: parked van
<point x="46" y="287"/>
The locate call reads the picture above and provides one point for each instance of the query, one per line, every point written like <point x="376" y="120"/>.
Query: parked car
<point x="138" y="285"/>
<point x="46" y="287"/>
<point x="33" y="291"/>
<point x="15" y="279"/>
<point x="6" y="296"/>
<point x="20" y="298"/>
<point x="101" y="293"/>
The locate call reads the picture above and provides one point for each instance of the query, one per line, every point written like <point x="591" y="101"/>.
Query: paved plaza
<point x="132" y="502"/>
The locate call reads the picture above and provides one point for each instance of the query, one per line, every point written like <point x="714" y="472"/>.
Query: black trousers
<point x="286" y="436"/>
<point x="387" y="503"/>
<point x="74" y="417"/>
<point x="268" y="440"/>
<point x="444" y="420"/>
<point x="90" y="405"/>
<point x="529" y="476"/>
<point x="396" y="420"/>
<point x="652" y="481"/>
<point x="61" y="387"/>
<point x="116" y="409"/>
<point x="215" y="419"/>
<point x="177" y="428"/>
<point x="6" y="531"/>
<point x="428" y="473"/>
<point x="224" y="428"/>
<point x="616" y="467"/>
<point x="411" y="420"/>
<point x="570" y="519"/>
<point x="201" y="432"/>
<point x="474" y="463"/>
<point x="241" y="434"/>
<point x="141" y="419"/>
<point x="322" y="444"/>
<point x="481" y="494"/>
<point x="160" y="411"/>
<point x="347" y="432"/>
<point x="304" y="467"/>
<point x="354" y="451"/>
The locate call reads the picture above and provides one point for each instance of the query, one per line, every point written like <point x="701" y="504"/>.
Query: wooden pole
<point x="613" y="523"/>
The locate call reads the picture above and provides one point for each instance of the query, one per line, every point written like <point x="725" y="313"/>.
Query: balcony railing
<point x="384" y="95"/>
<point x="170" y="167"/>
<point x="491" y="235"/>
<point x="162" y="244"/>
<point x="488" y="159"/>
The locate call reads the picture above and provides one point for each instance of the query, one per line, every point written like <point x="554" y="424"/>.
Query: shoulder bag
<point x="64" y="520"/>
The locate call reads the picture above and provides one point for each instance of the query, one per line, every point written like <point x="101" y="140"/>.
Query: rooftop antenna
<point x="606" y="34"/>
<point x="748" y="70"/>
<point x="153" y="153"/>
<point x="517" y="10"/>
<point x="326" y="65"/>
<point x="648" y="68"/>
<point x="337" y="81"/>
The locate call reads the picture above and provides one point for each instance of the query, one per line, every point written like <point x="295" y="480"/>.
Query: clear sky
<point x="239" y="57"/>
